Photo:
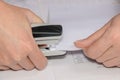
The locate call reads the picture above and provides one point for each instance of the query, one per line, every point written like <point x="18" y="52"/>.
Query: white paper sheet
<point x="78" y="21"/>
<point x="76" y="67"/>
<point x="46" y="74"/>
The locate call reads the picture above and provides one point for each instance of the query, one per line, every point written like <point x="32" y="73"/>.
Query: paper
<point x="74" y="66"/>
<point x="78" y="23"/>
<point x="79" y="20"/>
<point x="46" y="74"/>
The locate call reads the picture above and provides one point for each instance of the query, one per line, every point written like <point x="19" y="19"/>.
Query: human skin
<point x="18" y="49"/>
<point x="104" y="45"/>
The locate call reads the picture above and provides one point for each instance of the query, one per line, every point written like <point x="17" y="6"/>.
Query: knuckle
<point x="90" y="53"/>
<point x="114" y="38"/>
<point x="86" y="52"/>
<point x="30" y="68"/>
<point x="13" y="60"/>
<point x="107" y="65"/>
<point x="99" y="60"/>
<point x="17" y="58"/>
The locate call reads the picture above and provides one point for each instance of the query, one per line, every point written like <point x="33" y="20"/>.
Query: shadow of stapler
<point x="49" y="36"/>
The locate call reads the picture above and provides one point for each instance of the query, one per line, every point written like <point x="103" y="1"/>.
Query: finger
<point x="38" y="59"/>
<point x="108" y="55"/>
<point x="99" y="46"/>
<point x="118" y="65"/>
<point x="26" y="64"/>
<point x="33" y="18"/>
<point x="15" y="67"/>
<point x="88" y="41"/>
<point x="112" y="62"/>
<point x="4" y="68"/>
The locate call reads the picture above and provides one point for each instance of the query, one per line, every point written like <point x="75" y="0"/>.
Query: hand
<point x="104" y="45"/>
<point x="18" y="49"/>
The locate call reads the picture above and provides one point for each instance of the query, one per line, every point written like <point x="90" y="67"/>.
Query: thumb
<point x="33" y="18"/>
<point x="91" y="39"/>
<point x="82" y="43"/>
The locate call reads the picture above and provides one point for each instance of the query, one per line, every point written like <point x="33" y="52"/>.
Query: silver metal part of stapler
<point x="48" y="35"/>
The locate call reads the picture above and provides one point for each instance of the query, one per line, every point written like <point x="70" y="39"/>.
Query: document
<point x="46" y="74"/>
<point x="75" y="66"/>
<point x="78" y="21"/>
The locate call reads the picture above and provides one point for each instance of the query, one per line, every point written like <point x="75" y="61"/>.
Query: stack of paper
<point x="78" y="21"/>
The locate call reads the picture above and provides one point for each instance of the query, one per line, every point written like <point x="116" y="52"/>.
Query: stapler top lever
<point x="49" y="35"/>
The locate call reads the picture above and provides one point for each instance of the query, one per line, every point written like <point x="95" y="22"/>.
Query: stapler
<point x="48" y="35"/>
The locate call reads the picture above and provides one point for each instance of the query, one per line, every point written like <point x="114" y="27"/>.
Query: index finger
<point x="38" y="59"/>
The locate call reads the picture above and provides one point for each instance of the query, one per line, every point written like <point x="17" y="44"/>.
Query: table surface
<point x="79" y="19"/>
